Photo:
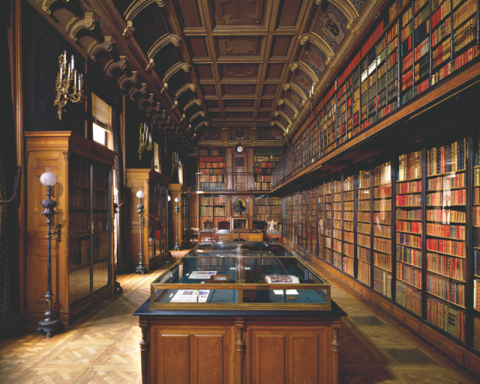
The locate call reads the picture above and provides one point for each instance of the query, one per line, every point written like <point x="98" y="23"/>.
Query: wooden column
<point x="335" y="350"/>
<point x="144" y="349"/>
<point x="240" y="350"/>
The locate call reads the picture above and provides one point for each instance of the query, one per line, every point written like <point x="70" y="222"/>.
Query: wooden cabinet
<point x="82" y="262"/>
<point x="155" y="213"/>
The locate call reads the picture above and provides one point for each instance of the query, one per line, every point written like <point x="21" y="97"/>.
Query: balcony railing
<point x="233" y="181"/>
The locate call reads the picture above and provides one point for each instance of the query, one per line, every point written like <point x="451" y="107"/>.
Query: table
<point x="245" y="234"/>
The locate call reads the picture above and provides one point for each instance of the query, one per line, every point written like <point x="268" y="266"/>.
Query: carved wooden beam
<point x="200" y="124"/>
<point x="79" y="23"/>
<point x="128" y="79"/>
<point x="145" y="100"/>
<point x="191" y="102"/>
<point x="174" y="69"/>
<point x="296" y="89"/>
<point x="305" y="68"/>
<point x="135" y="90"/>
<point x="138" y="6"/>
<point x="319" y="43"/>
<point x="151" y="108"/>
<point x="284" y="115"/>
<point x="112" y="64"/>
<point x="290" y="105"/>
<point x="280" y="125"/>
<point x="162" y="42"/>
<point x="186" y="87"/>
<point x="348" y="9"/>
<point x="96" y="47"/>
<point x="199" y="113"/>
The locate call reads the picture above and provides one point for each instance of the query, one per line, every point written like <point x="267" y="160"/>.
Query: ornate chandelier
<point x="63" y="84"/>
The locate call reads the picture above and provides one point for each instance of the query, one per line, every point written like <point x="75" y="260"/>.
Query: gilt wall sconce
<point x="66" y="91"/>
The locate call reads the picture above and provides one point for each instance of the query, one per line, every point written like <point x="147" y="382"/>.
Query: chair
<point x="207" y="233"/>
<point x="223" y="225"/>
<point x="261" y="227"/>
<point x="272" y="232"/>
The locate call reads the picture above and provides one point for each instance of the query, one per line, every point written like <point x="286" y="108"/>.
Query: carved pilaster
<point x="144" y="349"/>
<point x="336" y="350"/>
<point x="239" y="349"/>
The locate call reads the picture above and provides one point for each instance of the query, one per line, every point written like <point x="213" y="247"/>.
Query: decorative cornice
<point x="138" y="6"/>
<point x="348" y="9"/>
<point x="136" y="90"/>
<point x="128" y="79"/>
<point x="96" y="47"/>
<point x="284" y="115"/>
<point x="111" y="65"/>
<point x="174" y="69"/>
<point x="145" y="100"/>
<point x="162" y="42"/>
<point x="199" y="113"/>
<point x="305" y="68"/>
<point x="294" y="87"/>
<point x="191" y="102"/>
<point x="290" y="105"/>
<point x="186" y="87"/>
<point x="200" y="124"/>
<point x="319" y="43"/>
<point x="280" y="125"/>
<point x="85" y="22"/>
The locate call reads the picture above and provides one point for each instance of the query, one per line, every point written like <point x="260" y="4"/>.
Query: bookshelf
<point x="364" y="226"/>
<point x="414" y="46"/>
<point x="82" y="263"/>
<point x="348" y="222"/>
<point x="211" y="168"/>
<point x="475" y="274"/>
<point x="321" y="221"/>
<point x="313" y="210"/>
<point x="206" y="209"/>
<point x="445" y="236"/>
<point x="265" y="160"/>
<point x="302" y="213"/>
<point x="409" y="238"/>
<point x="275" y="211"/>
<point x="212" y="208"/>
<point x="154" y="234"/>
<point x="328" y="221"/>
<point x="261" y="208"/>
<point x="382" y="229"/>
<point x="337" y="225"/>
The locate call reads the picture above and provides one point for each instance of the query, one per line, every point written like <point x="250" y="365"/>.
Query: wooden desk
<point x="245" y="234"/>
<point x="237" y="346"/>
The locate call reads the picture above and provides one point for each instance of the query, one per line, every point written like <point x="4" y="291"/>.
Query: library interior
<point x="240" y="191"/>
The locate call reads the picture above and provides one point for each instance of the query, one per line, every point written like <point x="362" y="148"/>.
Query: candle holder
<point x="177" y="208"/>
<point x="145" y="141"/>
<point x="141" y="267"/>
<point x="49" y="325"/>
<point x="63" y="84"/>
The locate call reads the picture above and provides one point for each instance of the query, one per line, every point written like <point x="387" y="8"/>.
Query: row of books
<point x="382" y="245"/>
<point x="79" y="173"/>
<point x="446" y="317"/>
<point x="79" y="224"/>
<point x="409" y="240"/>
<point x="447" y="290"/>
<point x="414" y="214"/>
<point x="78" y="252"/>
<point x="209" y="186"/>
<point x="212" y="165"/>
<point x="268" y="152"/>
<point x="409" y="255"/>
<point x="209" y="211"/>
<point x="262" y="186"/>
<point x="409" y="298"/>
<point x="445" y="216"/>
<point x="448" y="266"/>
<point x="456" y="180"/>
<point x="407" y="274"/>
<point x="448" y="158"/>
<point x="442" y="230"/>
<point x="100" y="199"/>
<point x="447" y="198"/>
<point x="263" y="178"/>
<point x="382" y="260"/>
<point x="212" y="152"/>
<point x="382" y="282"/>
<point x="211" y="159"/>
<point x="409" y="226"/>
<point x="78" y="198"/>
<point x="453" y="248"/>
<point x="211" y="178"/>
<point x="363" y="273"/>
<point x="413" y="200"/>
<point x="409" y="187"/>
<point x="384" y="191"/>
<point x="207" y="200"/>
<point x="100" y="178"/>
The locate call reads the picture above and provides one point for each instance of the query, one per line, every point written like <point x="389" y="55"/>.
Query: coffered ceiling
<point x="227" y="63"/>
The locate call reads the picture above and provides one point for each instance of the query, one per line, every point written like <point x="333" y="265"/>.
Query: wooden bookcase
<point x="82" y="262"/>
<point x="212" y="167"/>
<point x="155" y="213"/>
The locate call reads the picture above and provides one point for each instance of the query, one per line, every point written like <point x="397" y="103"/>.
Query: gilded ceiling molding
<point x="186" y="87"/>
<point x="128" y="31"/>
<point x="136" y="90"/>
<point x="200" y="124"/>
<point x="192" y="102"/>
<point x="112" y="64"/>
<point x="319" y="43"/>
<point x="294" y="87"/>
<point x="280" y="125"/>
<point x="195" y="115"/>
<point x="79" y="23"/>
<point x="284" y="115"/>
<point x="151" y="108"/>
<point x="138" y="6"/>
<point x="145" y="100"/>
<point x="174" y="69"/>
<point x="96" y="47"/>
<point x="347" y="8"/>
<point x="128" y="79"/>
<point x="290" y="105"/>
<point x="305" y="68"/>
<point x="162" y="42"/>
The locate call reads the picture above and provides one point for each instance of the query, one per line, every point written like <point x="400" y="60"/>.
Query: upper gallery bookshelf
<point x="211" y="168"/>
<point x="212" y="208"/>
<point x="265" y="160"/>
<point x="414" y="47"/>
<point x="82" y="263"/>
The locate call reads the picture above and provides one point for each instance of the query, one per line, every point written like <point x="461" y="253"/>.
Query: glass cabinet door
<point x="158" y="219"/>
<point x="151" y="220"/>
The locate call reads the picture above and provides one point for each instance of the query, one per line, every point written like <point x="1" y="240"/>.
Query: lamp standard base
<point x="50" y="327"/>
<point x="141" y="269"/>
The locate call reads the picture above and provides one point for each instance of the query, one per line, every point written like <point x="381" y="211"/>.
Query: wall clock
<point x="239" y="148"/>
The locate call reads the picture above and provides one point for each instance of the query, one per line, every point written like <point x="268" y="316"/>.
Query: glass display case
<point x="240" y="276"/>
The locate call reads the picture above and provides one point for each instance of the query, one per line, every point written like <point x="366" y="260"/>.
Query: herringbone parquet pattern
<point x="102" y="347"/>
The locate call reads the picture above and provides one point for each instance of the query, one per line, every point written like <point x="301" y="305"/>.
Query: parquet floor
<point x="102" y="347"/>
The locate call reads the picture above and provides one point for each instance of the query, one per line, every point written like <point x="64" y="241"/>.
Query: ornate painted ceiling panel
<point x="241" y="63"/>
